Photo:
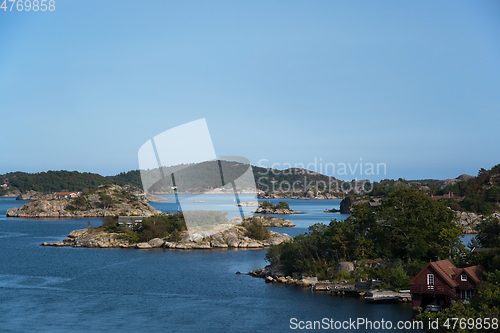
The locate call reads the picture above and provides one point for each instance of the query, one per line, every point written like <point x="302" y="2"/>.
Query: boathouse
<point x="440" y="283"/>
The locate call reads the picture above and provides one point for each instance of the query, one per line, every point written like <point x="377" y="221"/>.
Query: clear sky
<point x="412" y="84"/>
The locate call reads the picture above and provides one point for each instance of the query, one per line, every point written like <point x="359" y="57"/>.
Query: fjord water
<point x="50" y="289"/>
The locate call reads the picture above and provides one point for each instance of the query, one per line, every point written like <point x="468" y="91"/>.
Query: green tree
<point x="282" y="205"/>
<point x="493" y="194"/>
<point x="255" y="230"/>
<point x="106" y="200"/>
<point x="397" y="277"/>
<point x="153" y="228"/>
<point x="414" y="223"/>
<point x="451" y="243"/>
<point x="363" y="222"/>
<point x="80" y="203"/>
<point x="489" y="232"/>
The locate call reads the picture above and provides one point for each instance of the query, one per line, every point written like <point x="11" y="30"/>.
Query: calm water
<point x="312" y="209"/>
<point x="47" y="289"/>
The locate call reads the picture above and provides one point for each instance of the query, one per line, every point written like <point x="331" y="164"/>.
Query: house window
<point x="463" y="277"/>
<point x="465" y="294"/>
<point x="430" y="279"/>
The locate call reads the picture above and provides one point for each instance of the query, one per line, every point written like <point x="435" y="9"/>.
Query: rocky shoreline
<point x="309" y="195"/>
<point x="233" y="238"/>
<point x="154" y="198"/>
<point x="109" y="200"/>
<point x="333" y="210"/>
<point x="358" y="289"/>
<point x="271" y="222"/>
<point x="262" y="210"/>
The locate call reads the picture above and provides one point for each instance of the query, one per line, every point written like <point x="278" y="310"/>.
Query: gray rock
<point x="195" y="238"/>
<point x="156" y="242"/>
<point x="142" y="246"/>
<point x="345" y="266"/>
<point x="232" y="242"/>
<point x="78" y="233"/>
<point x="397" y="263"/>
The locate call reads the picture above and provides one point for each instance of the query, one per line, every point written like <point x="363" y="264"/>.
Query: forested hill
<point x="196" y="180"/>
<point x="480" y="194"/>
<point x="54" y="181"/>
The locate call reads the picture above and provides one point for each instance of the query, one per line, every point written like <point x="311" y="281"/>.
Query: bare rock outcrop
<point x="262" y="210"/>
<point x="109" y="200"/>
<point x="234" y="237"/>
<point x="33" y="195"/>
<point x="468" y="222"/>
<point x="270" y="222"/>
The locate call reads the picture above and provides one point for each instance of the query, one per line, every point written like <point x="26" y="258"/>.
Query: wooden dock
<point x="387" y="297"/>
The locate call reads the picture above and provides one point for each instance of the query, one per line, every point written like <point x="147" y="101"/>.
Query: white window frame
<point x="430" y="279"/>
<point x="463" y="277"/>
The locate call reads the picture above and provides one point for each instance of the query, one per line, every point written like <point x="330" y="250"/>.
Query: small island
<point x="282" y="207"/>
<point x="169" y="231"/>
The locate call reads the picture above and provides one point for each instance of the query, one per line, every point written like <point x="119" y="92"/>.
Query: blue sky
<point x="412" y="84"/>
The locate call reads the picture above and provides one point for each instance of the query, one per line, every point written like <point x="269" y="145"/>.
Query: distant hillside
<point x="202" y="176"/>
<point x="194" y="178"/>
<point x="385" y="186"/>
<point x="479" y="194"/>
<point x="55" y="181"/>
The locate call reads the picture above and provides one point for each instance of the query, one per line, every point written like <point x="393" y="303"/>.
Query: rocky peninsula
<point x="154" y="198"/>
<point x="235" y="237"/>
<point x="107" y="200"/>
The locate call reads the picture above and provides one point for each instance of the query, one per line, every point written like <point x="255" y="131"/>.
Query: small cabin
<point x="440" y="282"/>
<point x="66" y="195"/>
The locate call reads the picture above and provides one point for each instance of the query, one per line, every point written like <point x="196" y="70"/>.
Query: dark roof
<point x="474" y="272"/>
<point x="446" y="270"/>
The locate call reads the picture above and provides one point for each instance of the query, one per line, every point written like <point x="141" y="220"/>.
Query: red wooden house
<point x="440" y="283"/>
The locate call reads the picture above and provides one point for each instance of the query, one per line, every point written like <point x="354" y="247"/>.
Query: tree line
<point x="408" y="226"/>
